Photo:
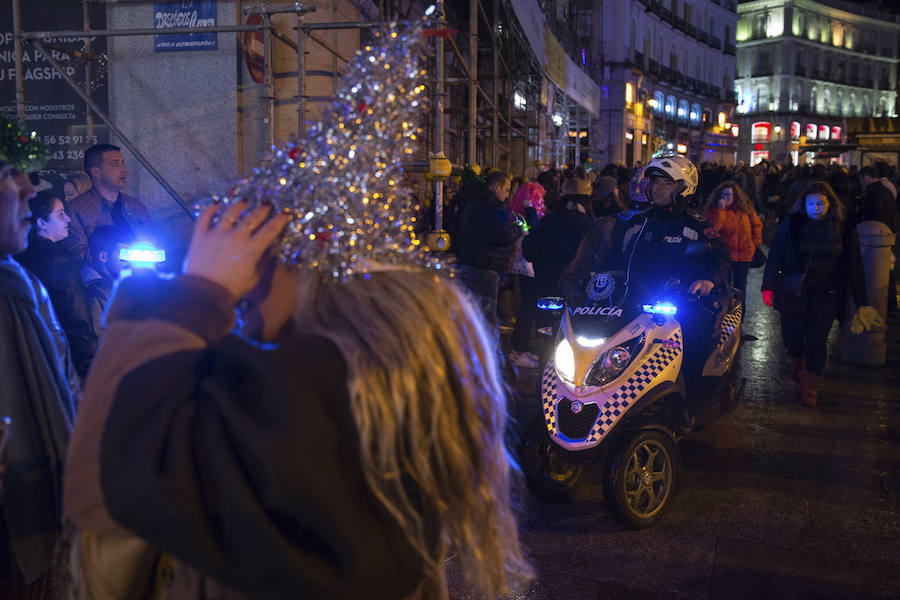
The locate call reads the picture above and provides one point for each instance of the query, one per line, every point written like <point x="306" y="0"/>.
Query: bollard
<point x="868" y="347"/>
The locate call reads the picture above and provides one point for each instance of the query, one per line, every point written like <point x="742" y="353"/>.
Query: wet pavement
<point x="776" y="500"/>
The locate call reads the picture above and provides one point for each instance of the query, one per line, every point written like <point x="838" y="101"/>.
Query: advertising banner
<point x="561" y="69"/>
<point x="52" y="108"/>
<point x="176" y="15"/>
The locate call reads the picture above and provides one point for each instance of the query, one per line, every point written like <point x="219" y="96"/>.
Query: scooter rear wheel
<point x="641" y="477"/>
<point x="549" y="476"/>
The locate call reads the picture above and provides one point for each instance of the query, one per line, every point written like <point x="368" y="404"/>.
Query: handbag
<point x="520" y="265"/>
<point x="794" y="285"/>
<point x="759" y="258"/>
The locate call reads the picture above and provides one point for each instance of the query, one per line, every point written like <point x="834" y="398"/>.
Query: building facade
<point x="805" y="66"/>
<point x="667" y="70"/>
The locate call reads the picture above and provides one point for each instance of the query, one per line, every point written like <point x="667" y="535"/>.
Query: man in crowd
<point x="879" y="203"/>
<point x="36" y="392"/>
<point x="104" y="203"/>
<point x="105" y="243"/>
<point x="487" y="243"/>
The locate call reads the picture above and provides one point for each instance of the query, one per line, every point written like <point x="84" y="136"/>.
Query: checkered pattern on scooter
<point x="729" y="324"/>
<point x="548" y="394"/>
<point x="633" y="387"/>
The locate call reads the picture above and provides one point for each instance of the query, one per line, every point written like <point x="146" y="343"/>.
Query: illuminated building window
<point x="811" y="131"/>
<point x="836" y="133"/>
<point x="760" y="132"/>
<point x="824" y="132"/>
<point x="795" y="131"/>
<point x="629" y="93"/>
<point x="721" y="119"/>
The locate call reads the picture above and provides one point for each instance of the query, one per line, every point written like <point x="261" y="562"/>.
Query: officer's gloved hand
<point x="702" y="287"/>
<point x="866" y="319"/>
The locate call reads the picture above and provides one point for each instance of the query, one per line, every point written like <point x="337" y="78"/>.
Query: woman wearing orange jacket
<point x="729" y="209"/>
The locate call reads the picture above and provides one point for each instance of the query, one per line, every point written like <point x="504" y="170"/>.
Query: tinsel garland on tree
<point x="343" y="184"/>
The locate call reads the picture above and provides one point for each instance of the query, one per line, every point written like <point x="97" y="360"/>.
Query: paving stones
<point x="777" y="500"/>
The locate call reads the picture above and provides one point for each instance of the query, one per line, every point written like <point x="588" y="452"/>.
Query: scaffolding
<point x="489" y="74"/>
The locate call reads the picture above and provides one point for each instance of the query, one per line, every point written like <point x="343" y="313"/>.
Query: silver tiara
<point x="343" y="184"/>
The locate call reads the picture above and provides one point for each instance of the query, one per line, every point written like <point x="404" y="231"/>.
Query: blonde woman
<point x="75" y="185"/>
<point x="348" y="455"/>
<point x="730" y="211"/>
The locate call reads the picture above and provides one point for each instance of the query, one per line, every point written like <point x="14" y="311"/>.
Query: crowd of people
<point x="738" y="202"/>
<point x="342" y="439"/>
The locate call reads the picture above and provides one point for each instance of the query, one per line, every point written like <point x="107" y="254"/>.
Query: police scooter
<point x="613" y="393"/>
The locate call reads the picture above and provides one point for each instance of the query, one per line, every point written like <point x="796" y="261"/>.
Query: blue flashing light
<point x="142" y="254"/>
<point x="661" y="308"/>
<point x="550" y="303"/>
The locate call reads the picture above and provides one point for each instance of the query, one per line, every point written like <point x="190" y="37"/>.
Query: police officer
<point x="650" y="247"/>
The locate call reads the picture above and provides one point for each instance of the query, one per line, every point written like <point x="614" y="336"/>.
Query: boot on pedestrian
<point x="809" y="388"/>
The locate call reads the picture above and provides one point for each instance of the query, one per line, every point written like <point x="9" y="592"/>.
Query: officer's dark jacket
<point x="657" y="241"/>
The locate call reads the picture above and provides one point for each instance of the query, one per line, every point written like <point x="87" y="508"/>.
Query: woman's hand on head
<point x="229" y="252"/>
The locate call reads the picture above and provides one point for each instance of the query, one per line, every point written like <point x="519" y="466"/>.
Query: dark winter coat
<point x="239" y="459"/>
<point x="59" y="271"/>
<point x="487" y="234"/>
<point x="90" y="210"/>
<point x="97" y="288"/>
<point x="654" y="246"/>
<point x="836" y="263"/>
<point x="38" y="392"/>
<point x="551" y="246"/>
<point x="878" y="204"/>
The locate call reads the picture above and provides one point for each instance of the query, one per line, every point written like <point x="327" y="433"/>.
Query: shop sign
<point x="52" y="108"/>
<point x="178" y="15"/>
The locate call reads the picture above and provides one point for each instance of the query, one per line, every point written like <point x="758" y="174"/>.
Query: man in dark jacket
<point x="105" y="203"/>
<point x="877" y="202"/>
<point x="551" y="246"/>
<point x="487" y="243"/>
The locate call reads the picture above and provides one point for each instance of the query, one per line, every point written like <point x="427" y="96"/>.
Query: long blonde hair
<point x="429" y="403"/>
<point x="80" y="181"/>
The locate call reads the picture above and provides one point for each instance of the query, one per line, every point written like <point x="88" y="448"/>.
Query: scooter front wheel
<point x="549" y="476"/>
<point x="641" y="477"/>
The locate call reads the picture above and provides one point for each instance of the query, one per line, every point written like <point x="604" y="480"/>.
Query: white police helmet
<point x="678" y="169"/>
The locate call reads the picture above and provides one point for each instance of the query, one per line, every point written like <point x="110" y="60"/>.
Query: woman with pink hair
<point x="528" y="196"/>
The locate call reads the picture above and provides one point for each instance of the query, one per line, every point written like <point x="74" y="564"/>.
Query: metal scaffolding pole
<point x="88" y="70"/>
<point x="301" y="70"/>
<point x="439" y="114"/>
<point x="125" y="141"/>
<point x="17" y="40"/>
<point x="495" y="90"/>
<point x="473" y="81"/>
<point x="268" y="78"/>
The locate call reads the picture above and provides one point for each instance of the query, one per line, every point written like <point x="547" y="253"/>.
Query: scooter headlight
<point x="565" y="360"/>
<point x="614" y="362"/>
